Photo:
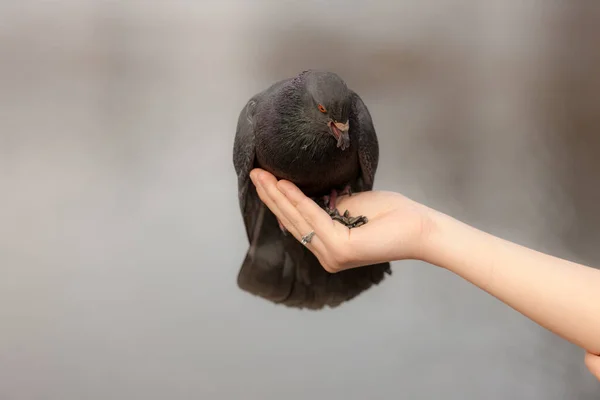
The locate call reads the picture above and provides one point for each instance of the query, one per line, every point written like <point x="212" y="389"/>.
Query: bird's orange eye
<point x="322" y="109"/>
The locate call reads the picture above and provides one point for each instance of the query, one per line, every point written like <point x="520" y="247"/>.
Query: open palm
<point x="394" y="230"/>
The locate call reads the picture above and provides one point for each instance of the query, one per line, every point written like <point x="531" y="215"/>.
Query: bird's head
<point x="330" y="100"/>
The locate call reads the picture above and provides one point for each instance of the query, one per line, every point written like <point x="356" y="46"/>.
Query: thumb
<point x="592" y="361"/>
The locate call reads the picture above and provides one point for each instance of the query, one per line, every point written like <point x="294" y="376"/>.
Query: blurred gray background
<point x="120" y="235"/>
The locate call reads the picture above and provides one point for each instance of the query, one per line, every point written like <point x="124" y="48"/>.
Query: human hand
<point x="396" y="226"/>
<point x="592" y="361"/>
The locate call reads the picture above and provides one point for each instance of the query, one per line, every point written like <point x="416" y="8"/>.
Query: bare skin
<point x="562" y="296"/>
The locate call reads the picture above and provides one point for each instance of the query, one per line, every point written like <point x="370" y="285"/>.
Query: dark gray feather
<point x="244" y="154"/>
<point x="368" y="145"/>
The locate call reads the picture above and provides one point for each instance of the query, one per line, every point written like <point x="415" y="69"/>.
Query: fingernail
<point x="254" y="174"/>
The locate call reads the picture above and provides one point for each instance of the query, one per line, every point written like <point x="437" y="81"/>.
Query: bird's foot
<point x="331" y="200"/>
<point x="347" y="191"/>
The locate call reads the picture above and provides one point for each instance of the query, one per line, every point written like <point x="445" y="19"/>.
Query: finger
<point x="288" y="211"/>
<point x="308" y="210"/>
<point x="262" y="194"/>
<point x="592" y="361"/>
<point x="275" y="200"/>
<point x="267" y="179"/>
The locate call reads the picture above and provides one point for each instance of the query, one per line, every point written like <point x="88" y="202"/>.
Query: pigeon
<point x="314" y="131"/>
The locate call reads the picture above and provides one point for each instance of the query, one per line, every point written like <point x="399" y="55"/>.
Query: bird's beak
<point x="340" y="132"/>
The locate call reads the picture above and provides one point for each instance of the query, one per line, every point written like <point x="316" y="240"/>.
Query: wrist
<point x="428" y="234"/>
<point x="458" y="247"/>
<point x="438" y="235"/>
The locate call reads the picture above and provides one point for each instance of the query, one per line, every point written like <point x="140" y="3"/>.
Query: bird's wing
<point x="244" y="156"/>
<point x="243" y="162"/>
<point x="266" y="270"/>
<point x="368" y="146"/>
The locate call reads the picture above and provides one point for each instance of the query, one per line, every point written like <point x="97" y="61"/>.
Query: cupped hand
<point x="395" y="230"/>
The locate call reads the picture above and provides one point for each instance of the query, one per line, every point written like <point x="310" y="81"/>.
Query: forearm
<point x="562" y="296"/>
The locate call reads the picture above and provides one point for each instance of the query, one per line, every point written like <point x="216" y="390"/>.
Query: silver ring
<point x="307" y="238"/>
